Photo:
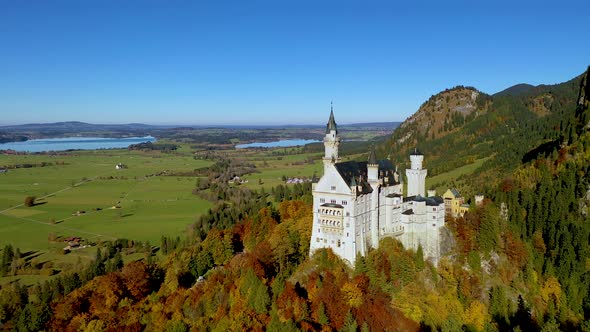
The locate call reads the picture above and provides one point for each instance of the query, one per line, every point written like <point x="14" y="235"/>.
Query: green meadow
<point x="128" y="203"/>
<point x="443" y="181"/>
<point x="141" y="202"/>
<point x="80" y="193"/>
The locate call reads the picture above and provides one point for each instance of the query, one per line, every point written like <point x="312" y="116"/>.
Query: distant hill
<point x="374" y="125"/>
<point x="72" y="128"/>
<point x="516" y="90"/>
<point x="83" y="126"/>
<point x="200" y="134"/>
<point x="462" y="125"/>
<point x="75" y="126"/>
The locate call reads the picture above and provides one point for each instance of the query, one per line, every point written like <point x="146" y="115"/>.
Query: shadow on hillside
<point x="542" y="151"/>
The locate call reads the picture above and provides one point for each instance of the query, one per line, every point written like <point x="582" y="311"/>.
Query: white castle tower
<point x="358" y="203"/>
<point x="331" y="141"/>
<point x="373" y="179"/>
<point x="416" y="175"/>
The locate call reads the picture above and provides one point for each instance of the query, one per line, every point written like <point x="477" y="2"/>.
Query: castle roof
<point x="332" y="205"/>
<point x="372" y="157"/>
<point x="416" y="152"/>
<point x="331" y="122"/>
<point x="455" y="192"/>
<point x="357" y="171"/>
<point x="430" y="201"/>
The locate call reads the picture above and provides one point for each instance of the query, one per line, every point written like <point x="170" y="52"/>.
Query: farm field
<point x="149" y="206"/>
<point x="141" y="202"/>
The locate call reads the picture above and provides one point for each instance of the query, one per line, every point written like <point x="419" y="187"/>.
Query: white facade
<point x="416" y="175"/>
<point x="355" y="204"/>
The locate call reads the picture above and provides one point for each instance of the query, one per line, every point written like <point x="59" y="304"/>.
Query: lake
<point x="277" y="144"/>
<point x="74" y="143"/>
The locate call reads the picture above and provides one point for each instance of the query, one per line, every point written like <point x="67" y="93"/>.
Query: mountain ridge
<point x="462" y="125"/>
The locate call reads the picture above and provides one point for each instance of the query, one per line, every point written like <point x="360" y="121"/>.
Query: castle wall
<point x="351" y="223"/>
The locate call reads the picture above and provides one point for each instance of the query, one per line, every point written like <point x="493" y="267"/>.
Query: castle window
<point x="317" y="239"/>
<point x="322" y="200"/>
<point x="338" y="243"/>
<point x="433" y="225"/>
<point x="347" y="234"/>
<point x="333" y="188"/>
<point x="347" y="214"/>
<point x="344" y="202"/>
<point x="333" y="201"/>
<point x="325" y="241"/>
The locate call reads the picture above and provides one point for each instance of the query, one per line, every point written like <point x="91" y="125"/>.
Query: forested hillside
<point x="462" y="125"/>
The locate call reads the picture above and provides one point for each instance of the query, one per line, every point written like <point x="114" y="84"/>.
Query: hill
<point x="516" y="90"/>
<point x="463" y="126"/>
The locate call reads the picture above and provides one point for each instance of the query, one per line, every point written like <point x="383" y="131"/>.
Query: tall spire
<point x="331" y="122"/>
<point x="372" y="157"/>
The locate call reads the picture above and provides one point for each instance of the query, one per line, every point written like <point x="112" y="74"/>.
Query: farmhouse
<point x="356" y="204"/>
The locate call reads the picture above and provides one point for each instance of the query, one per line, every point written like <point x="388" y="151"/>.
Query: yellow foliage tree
<point x="551" y="291"/>
<point x="408" y="301"/>
<point x="476" y="315"/>
<point x="353" y="294"/>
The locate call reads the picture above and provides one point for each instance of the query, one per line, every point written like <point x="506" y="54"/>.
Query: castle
<point x="356" y="204"/>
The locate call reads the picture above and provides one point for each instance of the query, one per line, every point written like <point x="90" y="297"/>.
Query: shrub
<point x="30" y="201"/>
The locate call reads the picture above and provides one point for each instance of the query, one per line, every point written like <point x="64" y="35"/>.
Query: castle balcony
<point x="331" y="218"/>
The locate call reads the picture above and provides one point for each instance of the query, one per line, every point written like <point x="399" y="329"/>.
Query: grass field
<point x="150" y="206"/>
<point x="443" y="181"/>
<point x="138" y="202"/>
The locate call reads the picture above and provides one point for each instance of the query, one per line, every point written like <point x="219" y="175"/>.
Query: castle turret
<point x="416" y="175"/>
<point x="372" y="166"/>
<point x="331" y="141"/>
<point x="373" y="179"/>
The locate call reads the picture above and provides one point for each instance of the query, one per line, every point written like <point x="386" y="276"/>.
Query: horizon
<point x="271" y="64"/>
<point x="204" y="126"/>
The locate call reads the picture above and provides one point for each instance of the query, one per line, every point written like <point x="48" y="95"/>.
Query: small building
<point x="479" y="199"/>
<point x="454" y="203"/>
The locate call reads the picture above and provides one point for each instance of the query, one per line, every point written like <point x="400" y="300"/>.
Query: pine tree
<point x="350" y="324"/>
<point x="419" y="260"/>
<point x="322" y="317"/>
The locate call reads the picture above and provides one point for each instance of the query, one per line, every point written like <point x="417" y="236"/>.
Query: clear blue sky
<point x="272" y="62"/>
